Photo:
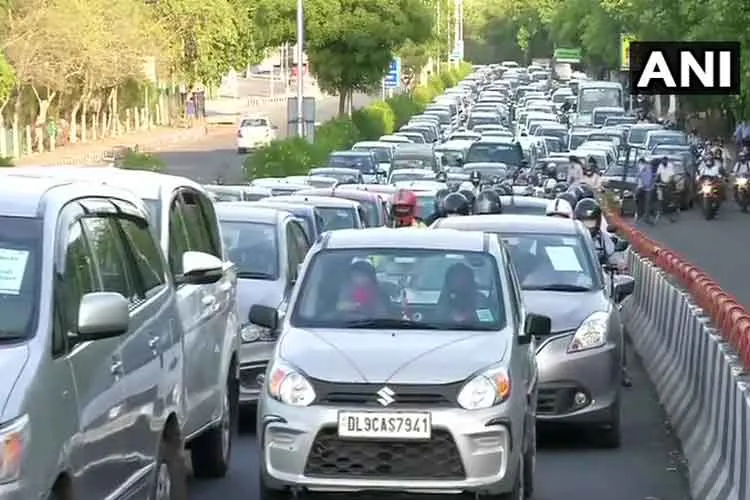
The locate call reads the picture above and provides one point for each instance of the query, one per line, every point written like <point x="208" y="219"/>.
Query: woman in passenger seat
<point x="460" y="298"/>
<point x="362" y="294"/>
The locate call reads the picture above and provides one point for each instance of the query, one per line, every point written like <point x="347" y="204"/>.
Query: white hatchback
<point x="254" y="132"/>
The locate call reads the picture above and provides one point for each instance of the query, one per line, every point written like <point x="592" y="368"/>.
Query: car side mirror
<point x="200" y="268"/>
<point x="536" y="325"/>
<point x="267" y="317"/>
<point x="102" y="315"/>
<point x="624" y="285"/>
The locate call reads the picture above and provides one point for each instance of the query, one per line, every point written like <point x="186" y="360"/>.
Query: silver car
<point x="581" y="360"/>
<point x="406" y="363"/>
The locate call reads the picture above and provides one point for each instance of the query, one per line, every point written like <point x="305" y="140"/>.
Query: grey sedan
<point x="581" y="360"/>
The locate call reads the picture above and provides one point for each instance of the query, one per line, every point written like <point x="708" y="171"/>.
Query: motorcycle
<point x="742" y="192"/>
<point x="710" y="197"/>
<point x="667" y="202"/>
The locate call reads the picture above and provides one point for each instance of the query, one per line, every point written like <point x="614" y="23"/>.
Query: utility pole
<point x="300" y="68"/>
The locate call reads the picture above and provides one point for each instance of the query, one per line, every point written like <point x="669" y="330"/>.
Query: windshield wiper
<point x="559" y="288"/>
<point x="250" y="275"/>
<point x="405" y="324"/>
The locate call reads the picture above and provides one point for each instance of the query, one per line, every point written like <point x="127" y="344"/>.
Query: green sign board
<point x="572" y="56"/>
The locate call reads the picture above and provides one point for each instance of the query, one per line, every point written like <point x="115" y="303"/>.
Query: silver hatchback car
<point x="406" y="363"/>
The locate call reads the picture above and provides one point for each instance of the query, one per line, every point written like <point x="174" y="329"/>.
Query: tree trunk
<point x="17" y="124"/>
<point x="342" y="102"/>
<point x="74" y="121"/>
<point x="41" y="117"/>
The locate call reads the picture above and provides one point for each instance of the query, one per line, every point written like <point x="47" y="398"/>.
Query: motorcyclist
<point x="591" y="175"/>
<point x="438" y="211"/>
<point x="559" y="207"/>
<point x="456" y="204"/>
<point x="404" y="208"/>
<point x="575" y="170"/>
<point x="475" y="178"/>
<point x="665" y="178"/>
<point x="711" y="170"/>
<point x="589" y="213"/>
<point x="742" y="167"/>
<point x="488" y="202"/>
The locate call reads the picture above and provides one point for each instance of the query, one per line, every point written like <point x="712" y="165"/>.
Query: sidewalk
<point x="93" y="152"/>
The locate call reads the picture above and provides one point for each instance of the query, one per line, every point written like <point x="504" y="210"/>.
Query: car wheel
<point x="170" y="478"/>
<point x="610" y="436"/>
<point x="212" y="451"/>
<point x="241" y="151"/>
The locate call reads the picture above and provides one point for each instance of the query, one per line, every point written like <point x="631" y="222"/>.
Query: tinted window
<point x="79" y="277"/>
<point x="510" y="154"/>
<point x="400" y="163"/>
<point x="364" y="164"/>
<point x="253" y="248"/>
<point x="338" y="218"/>
<point x="20" y="275"/>
<point x="108" y="252"/>
<point x="483" y="120"/>
<point x="638" y="135"/>
<point x="153" y="207"/>
<point x="667" y="139"/>
<point x="178" y="239"/>
<point x="554" y="132"/>
<point x="196" y="224"/>
<point x="600" y="97"/>
<point x="254" y="122"/>
<point x="425" y="205"/>
<point x="441" y="289"/>
<point x="146" y="255"/>
<point x="576" y="140"/>
<point x="524" y="210"/>
<point x="382" y="154"/>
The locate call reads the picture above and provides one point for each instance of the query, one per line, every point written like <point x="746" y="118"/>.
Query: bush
<point x="296" y="156"/>
<point x="141" y="161"/>
<point x="7" y="161"/>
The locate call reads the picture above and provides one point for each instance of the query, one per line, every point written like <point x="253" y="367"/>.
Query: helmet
<point x="559" y="208"/>
<point x="585" y="191"/>
<point x="441" y="176"/>
<point x="475" y="177"/>
<point x="440" y="196"/>
<point x="718" y="154"/>
<point x="404" y="203"/>
<point x="455" y="204"/>
<point x="488" y="202"/>
<point x="469" y="195"/>
<point x="589" y="212"/>
<point x="592" y="163"/>
<point x="561" y="187"/>
<point x="573" y="159"/>
<point x="570" y="197"/>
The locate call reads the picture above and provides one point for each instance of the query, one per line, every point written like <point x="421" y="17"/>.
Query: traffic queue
<point x="150" y="311"/>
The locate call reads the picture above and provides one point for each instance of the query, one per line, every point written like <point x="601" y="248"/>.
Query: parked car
<point x="267" y="246"/>
<point x="183" y="217"/>
<point x="367" y="391"/>
<point x="93" y="349"/>
<point x="581" y="358"/>
<point x="254" y="132"/>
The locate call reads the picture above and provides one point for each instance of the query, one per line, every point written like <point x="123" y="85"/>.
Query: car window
<point x="295" y="252"/>
<point x="436" y="289"/>
<point x="110" y="258"/>
<point x="196" y="225"/>
<point x="146" y="255"/>
<point x="254" y="122"/>
<point x="338" y="218"/>
<point x="253" y="247"/>
<point x="78" y="277"/>
<point x="178" y="238"/>
<point x="514" y="293"/>
<point x="301" y="239"/>
<point x="212" y="226"/>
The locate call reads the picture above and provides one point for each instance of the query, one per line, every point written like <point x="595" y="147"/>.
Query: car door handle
<point x="116" y="367"/>
<point x="208" y="300"/>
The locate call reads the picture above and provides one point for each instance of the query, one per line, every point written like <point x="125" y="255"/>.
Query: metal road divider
<point x="694" y="340"/>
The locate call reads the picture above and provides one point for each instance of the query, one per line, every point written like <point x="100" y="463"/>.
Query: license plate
<point x="385" y="425"/>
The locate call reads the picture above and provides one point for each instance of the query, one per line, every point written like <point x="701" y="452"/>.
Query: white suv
<point x="254" y="132"/>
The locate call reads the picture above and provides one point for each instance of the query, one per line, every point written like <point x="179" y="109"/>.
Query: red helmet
<point x="404" y="203"/>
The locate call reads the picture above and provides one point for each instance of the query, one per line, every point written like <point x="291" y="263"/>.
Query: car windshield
<point x="554" y="145"/>
<point x="638" y="135"/>
<point x="576" y="140"/>
<point x="598" y="97"/>
<point x="452" y="157"/>
<point x="561" y="134"/>
<point x="411" y="163"/>
<point x="253" y="248"/>
<point x="382" y="154"/>
<point x="362" y="163"/>
<point x="254" y="122"/>
<point x="482" y="120"/>
<point x="401" y="288"/>
<point x="601" y="116"/>
<point x="552" y="262"/>
<point x="20" y="276"/>
<point x="510" y="154"/>
<point x="667" y="139"/>
<point x="410" y="176"/>
<point x="335" y="218"/>
<point x="224" y="195"/>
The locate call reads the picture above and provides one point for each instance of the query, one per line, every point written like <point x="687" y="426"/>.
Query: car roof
<point x="144" y="184"/>
<point x="665" y="131"/>
<point x="320" y="201"/>
<point x="371" y="144"/>
<point x="274" y="203"/>
<point x="454" y="143"/>
<point x="333" y="170"/>
<point x="649" y="126"/>
<point x="350" y="153"/>
<point x="341" y="192"/>
<point x="244" y="211"/>
<point x="523" y="201"/>
<point x="495" y="139"/>
<point x="513" y="223"/>
<point x="417" y="238"/>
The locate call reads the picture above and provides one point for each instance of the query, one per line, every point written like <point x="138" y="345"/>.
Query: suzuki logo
<point x="386" y="396"/>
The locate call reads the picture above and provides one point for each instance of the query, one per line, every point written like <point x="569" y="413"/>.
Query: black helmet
<point x="585" y="192"/>
<point x="569" y="197"/>
<point x="455" y="204"/>
<point x="440" y="197"/>
<point x="488" y="202"/>
<point x="469" y="195"/>
<point x="589" y="212"/>
<point x="441" y="176"/>
<point x="475" y="177"/>
<point x="561" y="187"/>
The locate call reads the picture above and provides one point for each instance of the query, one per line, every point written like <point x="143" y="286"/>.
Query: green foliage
<point x="296" y="156"/>
<point x="141" y="161"/>
<point x="6" y="161"/>
<point x="8" y="80"/>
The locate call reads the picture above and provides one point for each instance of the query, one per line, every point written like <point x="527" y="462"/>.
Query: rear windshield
<point x="510" y="154"/>
<point x="362" y="163"/>
<point x="338" y="218"/>
<point x="254" y="122"/>
<point x="253" y="248"/>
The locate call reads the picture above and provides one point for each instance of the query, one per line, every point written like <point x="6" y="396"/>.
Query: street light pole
<point x="300" y="68"/>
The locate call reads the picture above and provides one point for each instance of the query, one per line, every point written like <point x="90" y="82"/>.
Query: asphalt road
<point x="215" y="156"/>
<point x="720" y="247"/>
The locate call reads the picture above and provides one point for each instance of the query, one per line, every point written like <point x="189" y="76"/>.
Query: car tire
<point x="610" y="436"/>
<point x="211" y="452"/>
<point x="170" y="477"/>
<point x="241" y="151"/>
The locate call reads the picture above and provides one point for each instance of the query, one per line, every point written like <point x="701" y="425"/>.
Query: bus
<point x="597" y="94"/>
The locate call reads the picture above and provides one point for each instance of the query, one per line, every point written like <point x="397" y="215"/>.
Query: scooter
<point x="710" y="197"/>
<point x="742" y="191"/>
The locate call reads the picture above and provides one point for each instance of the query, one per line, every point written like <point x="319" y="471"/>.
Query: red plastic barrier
<point x="731" y="319"/>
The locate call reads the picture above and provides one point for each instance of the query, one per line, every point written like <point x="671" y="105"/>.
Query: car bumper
<point x="253" y="142"/>
<point x="288" y="436"/>
<point x="596" y="374"/>
<point x="254" y="358"/>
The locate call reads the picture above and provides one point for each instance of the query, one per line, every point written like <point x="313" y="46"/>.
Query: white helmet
<point x="559" y="208"/>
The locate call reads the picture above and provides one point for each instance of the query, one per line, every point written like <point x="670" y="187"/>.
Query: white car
<point x="254" y="132"/>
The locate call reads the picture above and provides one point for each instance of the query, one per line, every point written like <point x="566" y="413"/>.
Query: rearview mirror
<point x="264" y="316"/>
<point x="623" y="287"/>
<point x="102" y="315"/>
<point x="200" y="268"/>
<point x="537" y="325"/>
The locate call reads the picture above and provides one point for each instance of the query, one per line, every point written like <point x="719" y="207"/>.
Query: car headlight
<point x="14" y="442"/>
<point x="290" y="387"/>
<point x="591" y="334"/>
<point x="254" y="333"/>
<point x="485" y="390"/>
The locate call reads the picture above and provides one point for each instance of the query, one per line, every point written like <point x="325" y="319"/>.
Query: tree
<point x="8" y="83"/>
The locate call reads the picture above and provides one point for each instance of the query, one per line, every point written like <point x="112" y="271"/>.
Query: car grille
<point x="249" y="375"/>
<point x="437" y="458"/>
<point x="405" y="396"/>
<point x="556" y="400"/>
